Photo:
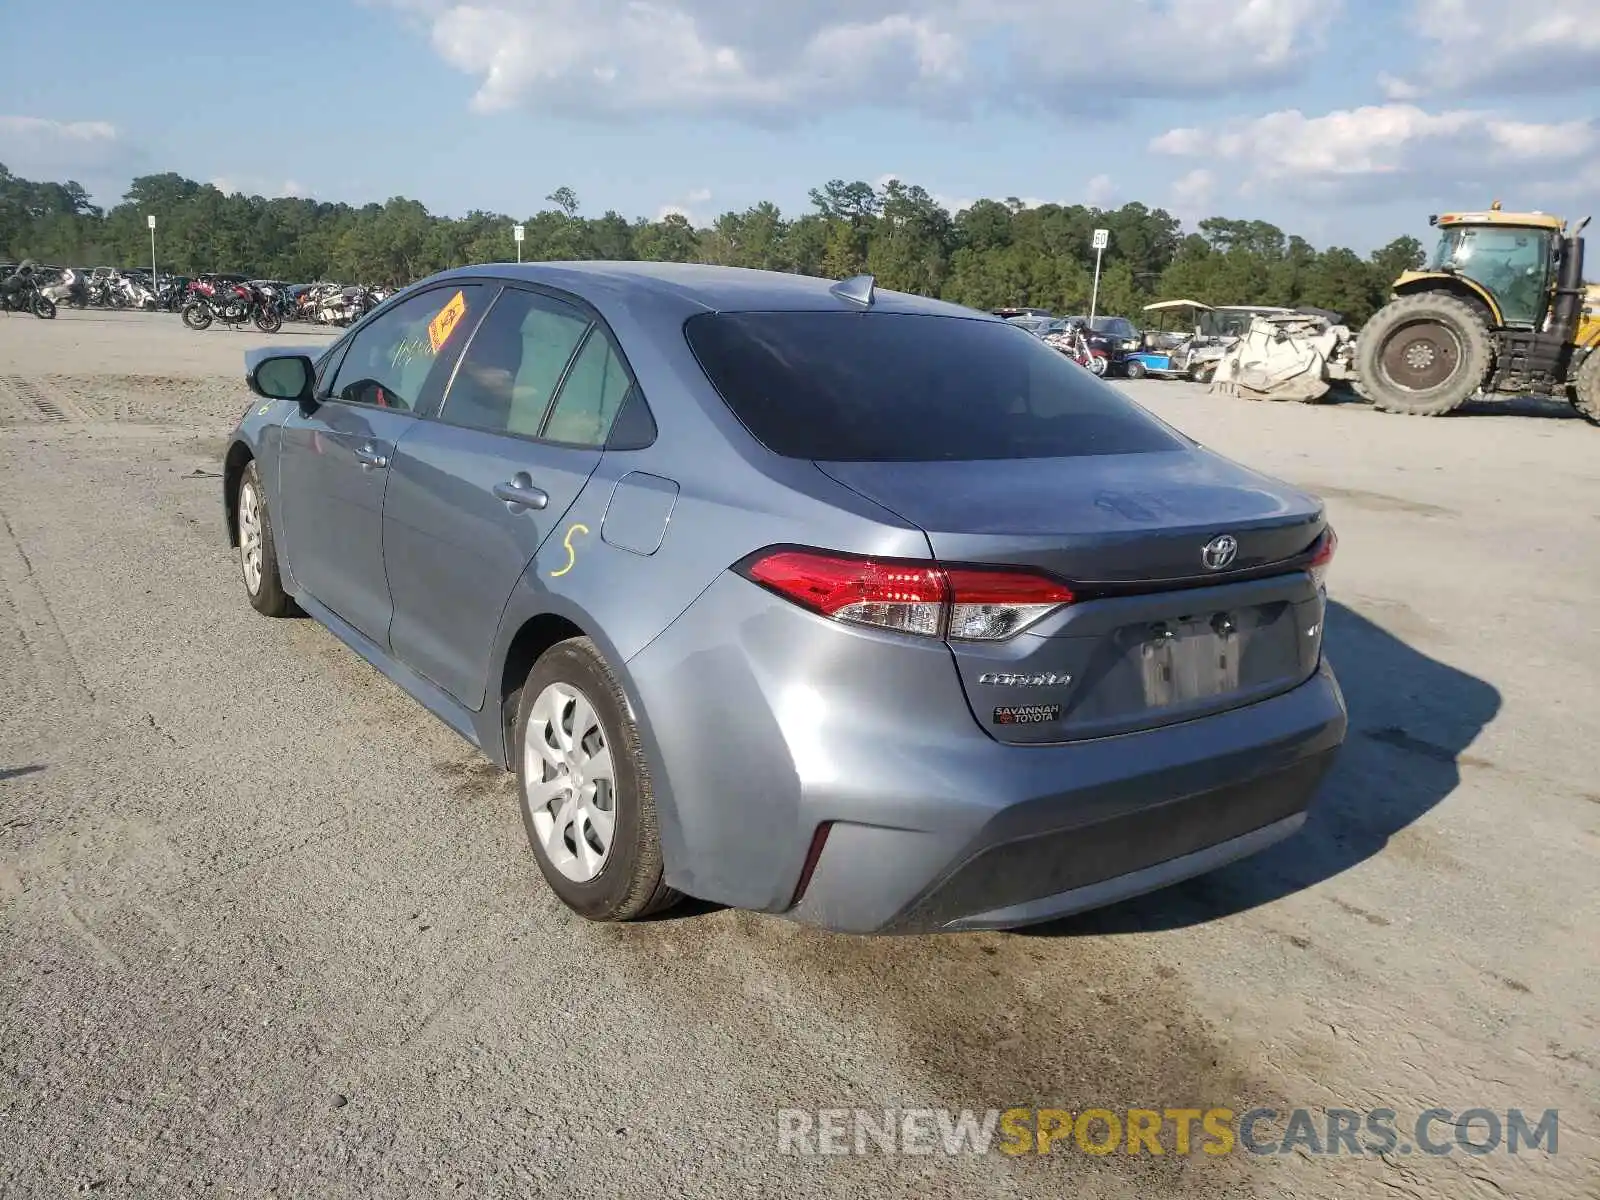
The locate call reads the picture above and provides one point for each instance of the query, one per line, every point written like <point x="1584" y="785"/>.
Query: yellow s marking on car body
<point x="572" y="555"/>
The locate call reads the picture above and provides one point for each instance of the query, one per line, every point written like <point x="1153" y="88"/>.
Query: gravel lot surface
<point x="269" y="928"/>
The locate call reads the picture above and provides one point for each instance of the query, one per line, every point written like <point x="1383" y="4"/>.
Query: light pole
<point x="151" y="221"/>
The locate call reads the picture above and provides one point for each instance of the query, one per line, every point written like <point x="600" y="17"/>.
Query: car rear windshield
<point x="898" y="387"/>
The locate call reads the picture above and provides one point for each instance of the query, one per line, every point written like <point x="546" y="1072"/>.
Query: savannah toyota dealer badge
<point x="1027" y="714"/>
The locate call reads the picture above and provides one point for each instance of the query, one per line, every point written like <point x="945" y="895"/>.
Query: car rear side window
<point x="515" y="363"/>
<point x="590" y="396"/>
<point x="899" y="387"/>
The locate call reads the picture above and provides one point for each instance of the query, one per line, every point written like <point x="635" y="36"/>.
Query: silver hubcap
<point x="571" y="783"/>
<point x="250" y="536"/>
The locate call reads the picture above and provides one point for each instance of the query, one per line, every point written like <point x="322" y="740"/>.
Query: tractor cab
<point x="1505" y="261"/>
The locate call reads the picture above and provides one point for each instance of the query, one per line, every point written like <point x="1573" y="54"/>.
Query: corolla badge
<point x="1220" y="552"/>
<point x="1006" y="679"/>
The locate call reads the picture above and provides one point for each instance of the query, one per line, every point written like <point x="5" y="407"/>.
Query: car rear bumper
<point x="1186" y="800"/>
<point x="766" y="724"/>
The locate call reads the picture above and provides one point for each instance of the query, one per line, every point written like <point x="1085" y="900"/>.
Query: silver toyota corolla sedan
<point x="797" y="596"/>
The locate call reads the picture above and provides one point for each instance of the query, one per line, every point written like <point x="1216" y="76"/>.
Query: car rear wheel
<point x="1135" y="369"/>
<point x="587" y="802"/>
<point x="258" y="554"/>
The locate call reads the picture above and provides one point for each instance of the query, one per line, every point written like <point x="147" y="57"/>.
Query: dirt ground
<point x="269" y="928"/>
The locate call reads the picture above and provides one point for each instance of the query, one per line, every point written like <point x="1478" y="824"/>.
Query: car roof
<point x="706" y="288"/>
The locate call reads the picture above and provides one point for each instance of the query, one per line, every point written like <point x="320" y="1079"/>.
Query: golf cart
<point x="1188" y="338"/>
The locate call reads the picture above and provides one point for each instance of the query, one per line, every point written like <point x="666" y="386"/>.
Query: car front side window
<point x="401" y="358"/>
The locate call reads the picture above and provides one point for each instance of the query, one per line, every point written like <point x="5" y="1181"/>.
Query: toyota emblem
<point x="1220" y="552"/>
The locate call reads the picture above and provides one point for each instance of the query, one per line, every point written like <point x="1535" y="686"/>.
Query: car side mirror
<point x="282" y="376"/>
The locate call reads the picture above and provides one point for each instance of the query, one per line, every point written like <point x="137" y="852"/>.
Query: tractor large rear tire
<point x="1586" y="388"/>
<point x="1423" y="355"/>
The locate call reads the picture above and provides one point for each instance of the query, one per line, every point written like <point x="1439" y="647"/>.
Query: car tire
<point x="1400" y="345"/>
<point x="258" y="552"/>
<point x="572" y="717"/>
<point x="1136" y="369"/>
<point x="1585" y="391"/>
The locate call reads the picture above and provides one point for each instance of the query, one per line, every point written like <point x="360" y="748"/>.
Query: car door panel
<point x="332" y="478"/>
<point x="477" y="493"/>
<point x="454" y="549"/>
<point x="337" y="453"/>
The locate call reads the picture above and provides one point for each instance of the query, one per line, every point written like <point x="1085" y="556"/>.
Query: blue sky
<point x="1343" y="120"/>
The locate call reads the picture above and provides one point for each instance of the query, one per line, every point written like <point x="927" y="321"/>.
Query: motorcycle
<point x="1074" y="343"/>
<point x="75" y="293"/>
<point x="232" y="304"/>
<point x="277" y="297"/>
<point x="342" y="306"/>
<point x="20" y="294"/>
<point x="172" y="293"/>
<point x="131" y="292"/>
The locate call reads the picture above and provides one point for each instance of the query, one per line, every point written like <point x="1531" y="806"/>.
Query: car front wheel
<point x="258" y="554"/>
<point x="586" y="795"/>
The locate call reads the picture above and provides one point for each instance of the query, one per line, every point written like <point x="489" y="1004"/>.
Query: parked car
<point x="804" y="598"/>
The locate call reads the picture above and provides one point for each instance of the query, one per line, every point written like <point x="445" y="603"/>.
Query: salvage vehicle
<point x="1500" y="308"/>
<point x="1295" y="355"/>
<point x="801" y="597"/>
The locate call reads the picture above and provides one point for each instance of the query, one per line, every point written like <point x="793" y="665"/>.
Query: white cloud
<point x="699" y="195"/>
<point x="801" y="57"/>
<point x="1386" y="151"/>
<point x="45" y="129"/>
<point x="249" y="185"/>
<point x="1481" y="46"/>
<point x="1191" y="193"/>
<point x="1098" y="192"/>
<point x="42" y="148"/>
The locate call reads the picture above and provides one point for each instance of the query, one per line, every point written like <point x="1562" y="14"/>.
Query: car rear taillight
<point x="988" y="606"/>
<point x="1322" y="556"/>
<point x="926" y="599"/>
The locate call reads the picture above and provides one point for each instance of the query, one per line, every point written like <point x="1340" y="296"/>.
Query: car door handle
<point x="519" y="492"/>
<point x="368" y="456"/>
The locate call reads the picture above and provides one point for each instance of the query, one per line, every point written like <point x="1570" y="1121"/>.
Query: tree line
<point x="991" y="254"/>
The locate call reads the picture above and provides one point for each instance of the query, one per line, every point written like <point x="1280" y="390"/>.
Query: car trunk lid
<point x="1159" y="631"/>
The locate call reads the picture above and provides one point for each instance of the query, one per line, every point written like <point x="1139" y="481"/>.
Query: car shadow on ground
<point x="1411" y="721"/>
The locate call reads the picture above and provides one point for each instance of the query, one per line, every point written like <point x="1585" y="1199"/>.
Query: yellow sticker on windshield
<point x="443" y="325"/>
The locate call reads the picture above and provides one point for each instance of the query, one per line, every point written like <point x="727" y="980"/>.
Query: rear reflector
<point x="925" y="599"/>
<point x="1322" y="556"/>
<point x="819" y="839"/>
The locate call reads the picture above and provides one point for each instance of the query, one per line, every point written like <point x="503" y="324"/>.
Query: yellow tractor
<point x="1500" y="308"/>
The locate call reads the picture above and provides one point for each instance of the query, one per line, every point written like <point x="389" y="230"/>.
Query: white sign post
<point x="151" y="221"/>
<point x="1102" y="239"/>
<point x="516" y="236"/>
